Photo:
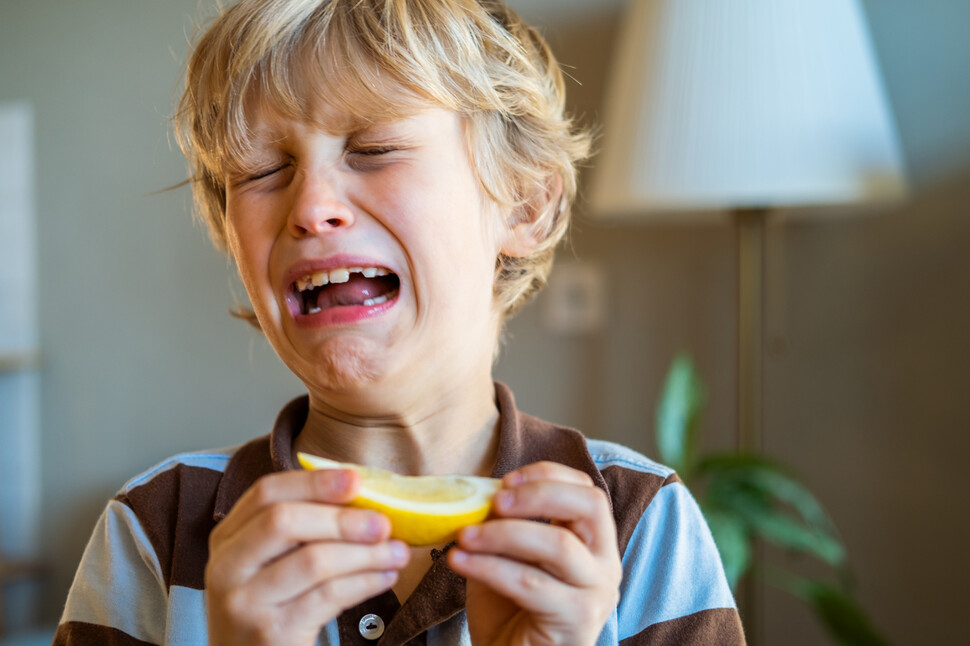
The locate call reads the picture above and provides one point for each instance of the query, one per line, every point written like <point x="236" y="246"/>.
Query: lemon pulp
<point x="423" y="510"/>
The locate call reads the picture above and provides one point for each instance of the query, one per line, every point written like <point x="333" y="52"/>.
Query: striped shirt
<point x="141" y="579"/>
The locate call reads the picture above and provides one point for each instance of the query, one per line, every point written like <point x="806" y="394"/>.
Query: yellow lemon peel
<point x="423" y="510"/>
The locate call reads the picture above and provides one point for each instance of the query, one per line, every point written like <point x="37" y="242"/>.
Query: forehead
<point x="331" y="104"/>
<point x="334" y="94"/>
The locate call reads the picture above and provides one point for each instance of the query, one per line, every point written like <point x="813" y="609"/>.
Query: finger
<point x="314" y="564"/>
<point x="336" y="595"/>
<point x="546" y="471"/>
<point x="555" y="550"/>
<point x="278" y="529"/>
<point x="335" y="486"/>
<point x="584" y="509"/>
<point x="526" y="586"/>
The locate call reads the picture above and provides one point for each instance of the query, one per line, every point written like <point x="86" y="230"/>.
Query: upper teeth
<point x="339" y="275"/>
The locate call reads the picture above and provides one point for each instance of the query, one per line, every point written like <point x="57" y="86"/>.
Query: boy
<point x="391" y="178"/>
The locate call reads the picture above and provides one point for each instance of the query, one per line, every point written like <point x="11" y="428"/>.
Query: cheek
<point x="235" y="241"/>
<point x="248" y="249"/>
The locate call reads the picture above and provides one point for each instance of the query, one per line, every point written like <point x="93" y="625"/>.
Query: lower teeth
<point x="370" y="302"/>
<point x="375" y="301"/>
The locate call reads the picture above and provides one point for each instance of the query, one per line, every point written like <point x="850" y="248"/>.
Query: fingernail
<point x="470" y="533"/>
<point x="375" y="526"/>
<point x="399" y="551"/>
<point x="340" y="481"/>
<point x="504" y="499"/>
<point x="514" y="479"/>
<point x="458" y="556"/>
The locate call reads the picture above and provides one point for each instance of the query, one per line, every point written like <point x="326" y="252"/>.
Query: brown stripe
<point x="526" y="439"/>
<point x="384" y="605"/>
<point x="78" y="633"/>
<point x="631" y="492"/>
<point x="715" y="627"/>
<point x="175" y="510"/>
<point x="252" y="461"/>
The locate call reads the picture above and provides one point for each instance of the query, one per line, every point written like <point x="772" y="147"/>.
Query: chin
<point x="345" y="368"/>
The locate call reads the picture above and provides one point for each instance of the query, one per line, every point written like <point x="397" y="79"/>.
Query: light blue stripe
<point x="119" y="583"/>
<point x="607" y="454"/>
<point x="330" y="635"/>
<point x="187" y="623"/>
<point x="671" y="567"/>
<point x="215" y="460"/>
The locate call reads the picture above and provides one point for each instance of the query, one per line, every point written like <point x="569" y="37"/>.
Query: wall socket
<point x="574" y="301"/>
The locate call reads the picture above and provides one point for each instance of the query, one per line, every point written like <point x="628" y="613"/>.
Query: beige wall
<point x="867" y="396"/>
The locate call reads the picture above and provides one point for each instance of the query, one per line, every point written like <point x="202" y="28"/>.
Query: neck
<point x="456" y="432"/>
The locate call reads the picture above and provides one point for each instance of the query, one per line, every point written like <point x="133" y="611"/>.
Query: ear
<point x="520" y="240"/>
<point x="529" y="222"/>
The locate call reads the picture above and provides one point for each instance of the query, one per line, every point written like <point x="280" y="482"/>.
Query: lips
<point x="350" y="286"/>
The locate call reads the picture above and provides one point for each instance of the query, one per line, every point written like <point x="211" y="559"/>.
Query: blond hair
<point x="476" y="57"/>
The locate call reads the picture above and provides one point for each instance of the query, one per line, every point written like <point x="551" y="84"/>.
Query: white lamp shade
<point x="744" y="103"/>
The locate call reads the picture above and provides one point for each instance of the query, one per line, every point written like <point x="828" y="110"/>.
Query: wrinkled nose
<point x="318" y="207"/>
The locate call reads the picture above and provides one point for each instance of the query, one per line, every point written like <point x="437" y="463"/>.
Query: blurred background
<point x="120" y="351"/>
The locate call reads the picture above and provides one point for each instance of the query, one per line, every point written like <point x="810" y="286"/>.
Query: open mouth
<point x="345" y="286"/>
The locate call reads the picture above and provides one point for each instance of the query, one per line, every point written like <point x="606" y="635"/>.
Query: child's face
<point x="400" y="198"/>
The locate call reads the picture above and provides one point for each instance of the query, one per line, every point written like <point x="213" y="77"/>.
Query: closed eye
<point x="374" y="151"/>
<point x="367" y="158"/>
<point x="266" y="172"/>
<point x="258" y="177"/>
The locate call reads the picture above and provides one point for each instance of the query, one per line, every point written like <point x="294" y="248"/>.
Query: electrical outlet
<point x="574" y="302"/>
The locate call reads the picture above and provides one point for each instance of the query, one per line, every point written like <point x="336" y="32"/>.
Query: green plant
<point x="747" y="497"/>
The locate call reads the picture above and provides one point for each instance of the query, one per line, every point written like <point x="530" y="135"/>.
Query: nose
<point x="318" y="206"/>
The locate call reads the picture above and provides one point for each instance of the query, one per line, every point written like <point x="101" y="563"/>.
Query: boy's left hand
<point x="539" y="584"/>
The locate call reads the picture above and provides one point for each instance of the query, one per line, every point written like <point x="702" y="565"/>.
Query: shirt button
<point x="371" y="627"/>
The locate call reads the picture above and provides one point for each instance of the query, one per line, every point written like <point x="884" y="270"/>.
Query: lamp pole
<point x="750" y="223"/>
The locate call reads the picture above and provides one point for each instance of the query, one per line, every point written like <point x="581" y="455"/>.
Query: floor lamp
<point x="744" y="108"/>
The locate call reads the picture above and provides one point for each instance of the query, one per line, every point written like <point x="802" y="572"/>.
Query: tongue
<point x="353" y="292"/>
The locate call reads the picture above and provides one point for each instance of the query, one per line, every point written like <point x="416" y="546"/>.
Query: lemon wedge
<point x="423" y="510"/>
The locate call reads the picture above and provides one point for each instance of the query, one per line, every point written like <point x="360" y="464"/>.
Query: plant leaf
<point x="844" y="618"/>
<point x="748" y="495"/>
<point x="777" y="527"/>
<point x="774" y="506"/>
<point x="772" y="478"/>
<point x="733" y="542"/>
<point x="678" y="413"/>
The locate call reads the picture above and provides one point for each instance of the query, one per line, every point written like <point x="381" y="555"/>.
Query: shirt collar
<point x="264" y="455"/>
<point x="523" y="439"/>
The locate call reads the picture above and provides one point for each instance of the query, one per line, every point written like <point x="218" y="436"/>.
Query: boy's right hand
<point x="289" y="558"/>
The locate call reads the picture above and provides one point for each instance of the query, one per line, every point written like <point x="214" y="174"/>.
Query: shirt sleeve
<point x="118" y="596"/>
<point x="674" y="590"/>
